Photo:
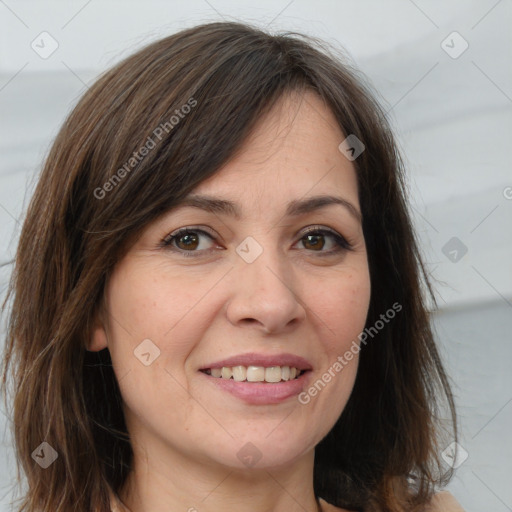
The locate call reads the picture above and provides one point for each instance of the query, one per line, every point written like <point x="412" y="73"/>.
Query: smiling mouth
<point x="269" y="374"/>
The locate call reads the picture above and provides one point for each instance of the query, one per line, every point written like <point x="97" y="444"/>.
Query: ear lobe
<point x="98" y="335"/>
<point x="98" y="339"/>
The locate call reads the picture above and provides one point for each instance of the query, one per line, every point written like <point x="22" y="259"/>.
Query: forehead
<point x="291" y="153"/>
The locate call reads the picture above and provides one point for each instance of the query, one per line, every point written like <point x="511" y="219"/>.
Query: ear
<point x="98" y="339"/>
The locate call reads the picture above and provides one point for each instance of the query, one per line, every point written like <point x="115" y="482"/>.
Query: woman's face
<point x="261" y="280"/>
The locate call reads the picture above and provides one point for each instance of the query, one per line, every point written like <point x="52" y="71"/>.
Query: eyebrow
<point x="295" y="208"/>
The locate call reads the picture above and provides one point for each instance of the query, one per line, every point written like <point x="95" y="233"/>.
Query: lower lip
<point x="260" y="393"/>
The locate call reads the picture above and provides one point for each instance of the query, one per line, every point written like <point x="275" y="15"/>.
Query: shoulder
<point x="115" y="504"/>
<point x="441" y="502"/>
<point x="444" y="502"/>
<point x="327" y="507"/>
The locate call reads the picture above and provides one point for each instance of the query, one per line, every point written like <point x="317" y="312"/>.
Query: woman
<point x="216" y="298"/>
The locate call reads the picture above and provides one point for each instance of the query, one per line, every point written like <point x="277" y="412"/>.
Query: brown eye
<point x="324" y="241"/>
<point x="188" y="241"/>
<point x="314" y="242"/>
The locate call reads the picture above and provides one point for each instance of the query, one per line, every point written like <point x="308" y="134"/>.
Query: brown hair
<point x="382" y="453"/>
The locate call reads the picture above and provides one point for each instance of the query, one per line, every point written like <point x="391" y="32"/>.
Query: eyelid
<point x="318" y="227"/>
<point x="344" y="242"/>
<point x="194" y="229"/>
<point x="167" y="241"/>
<point x="341" y="241"/>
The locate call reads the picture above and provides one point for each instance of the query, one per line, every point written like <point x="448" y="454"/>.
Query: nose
<point x="265" y="294"/>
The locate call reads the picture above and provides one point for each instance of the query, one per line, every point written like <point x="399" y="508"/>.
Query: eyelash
<point x="341" y="243"/>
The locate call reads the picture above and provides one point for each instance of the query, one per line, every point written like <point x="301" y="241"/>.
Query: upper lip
<point x="253" y="359"/>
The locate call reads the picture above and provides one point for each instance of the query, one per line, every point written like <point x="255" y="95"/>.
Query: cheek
<point x="146" y="304"/>
<point x="341" y="312"/>
<point x="150" y="301"/>
<point x="150" y="336"/>
<point x="342" y="307"/>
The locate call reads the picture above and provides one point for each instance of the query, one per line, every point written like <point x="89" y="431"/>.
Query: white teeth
<point x="226" y="372"/>
<point x="255" y="374"/>
<point x="239" y="373"/>
<point x="271" y="374"/>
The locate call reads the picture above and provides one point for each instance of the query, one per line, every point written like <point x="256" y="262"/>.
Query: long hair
<point x="191" y="100"/>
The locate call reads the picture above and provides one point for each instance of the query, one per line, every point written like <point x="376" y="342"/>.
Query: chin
<point x="265" y="450"/>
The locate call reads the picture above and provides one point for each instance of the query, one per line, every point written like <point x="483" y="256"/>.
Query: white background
<point x="453" y="120"/>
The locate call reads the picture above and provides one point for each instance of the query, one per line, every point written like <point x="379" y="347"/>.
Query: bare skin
<point x="306" y="296"/>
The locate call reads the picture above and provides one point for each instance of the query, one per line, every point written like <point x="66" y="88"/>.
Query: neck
<point x="202" y="486"/>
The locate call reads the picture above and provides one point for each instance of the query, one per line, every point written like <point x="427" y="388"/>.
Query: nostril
<point x="253" y="321"/>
